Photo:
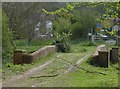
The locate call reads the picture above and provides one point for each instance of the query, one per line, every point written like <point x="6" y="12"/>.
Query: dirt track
<point x="11" y="82"/>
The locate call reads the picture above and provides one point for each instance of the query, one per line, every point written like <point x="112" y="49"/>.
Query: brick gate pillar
<point x="114" y="55"/>
<point x="17" y="58"/>
<point x="103" y="58"/>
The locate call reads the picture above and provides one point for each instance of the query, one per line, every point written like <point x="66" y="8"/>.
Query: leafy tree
<point x="84" y="20"/>
<point x="62" y="25"/>
<point x="74" y="19"/>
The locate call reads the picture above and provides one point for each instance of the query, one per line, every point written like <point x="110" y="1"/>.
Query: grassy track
<point x="75" y="78"/>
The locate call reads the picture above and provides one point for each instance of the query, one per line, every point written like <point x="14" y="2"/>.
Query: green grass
<point x="81" y="78"/>
<point x="99" y="80"/>
<point x="60" y="65"/>
<point x="76" y="78"/>
<point x="17" y="69"/>
<point x="57" y="66"/>
<point x="33" y="45"/>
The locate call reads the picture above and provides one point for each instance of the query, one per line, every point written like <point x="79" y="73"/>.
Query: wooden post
<point x="103" y="58"/>
<point x="114" y="55"/>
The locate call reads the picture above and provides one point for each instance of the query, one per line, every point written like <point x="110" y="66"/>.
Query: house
<point x="43" y="33"/>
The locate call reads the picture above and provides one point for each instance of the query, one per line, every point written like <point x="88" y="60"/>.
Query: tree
<point x="76" y="19"/>
<point x="19" y="15"/>
<point x="23" y="17"/>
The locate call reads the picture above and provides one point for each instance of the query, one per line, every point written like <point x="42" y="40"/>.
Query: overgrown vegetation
<point x="71" y="25"/>
<point x="76" y="23"/>
<point x="10" y="69"/>
<point x="7" y="48"/>
<point x="61" y="42"/>
<point x="77" y="77"/>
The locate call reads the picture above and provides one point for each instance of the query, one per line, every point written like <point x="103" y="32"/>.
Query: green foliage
<point x="69" y="7"/>
<point x="62" y="25"/>
<point x="10" y="69"/>
<point x="112" y="9"/>
<point x="77" y="23"/>
<point x="61" y="42"/>
<point x="78" y="31"/>
<point x="6" y="40"/>
<point x="112" y="33"/>
<point x="90" y="44"/>
<point x="109" y="10"/>
<point x="82" y="22"/>
<point x="0" y="27"/>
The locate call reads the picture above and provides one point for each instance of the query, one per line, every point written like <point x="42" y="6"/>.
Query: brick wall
<point x="21" y="57"/>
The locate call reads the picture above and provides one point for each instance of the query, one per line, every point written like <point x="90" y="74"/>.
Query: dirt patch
<point x="25" y="75"/>
<point x="77" y="63"/>
<point x="19" y="80"/>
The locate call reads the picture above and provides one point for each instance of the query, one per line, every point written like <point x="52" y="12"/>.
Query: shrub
<point x="6" y="40"/>
<point x="61" y="42"/>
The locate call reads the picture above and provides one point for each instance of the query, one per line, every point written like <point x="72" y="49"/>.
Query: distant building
<point x="39" y="31"/>
<point x="49" y="25"/>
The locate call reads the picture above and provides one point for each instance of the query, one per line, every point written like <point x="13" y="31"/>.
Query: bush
<point x="6" y="42"/>
<point x="61" y="42"/>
